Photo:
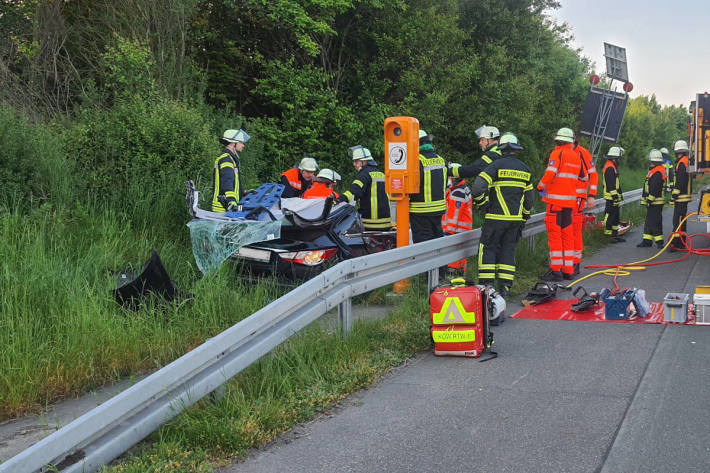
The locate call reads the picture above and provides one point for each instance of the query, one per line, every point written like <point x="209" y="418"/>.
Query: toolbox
<point x="460" y="319"/>
<point x="616" y="305"/>
<point x="675" y="307"/>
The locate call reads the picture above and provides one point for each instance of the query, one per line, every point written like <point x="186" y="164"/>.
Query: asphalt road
<point x="561" y="397"/>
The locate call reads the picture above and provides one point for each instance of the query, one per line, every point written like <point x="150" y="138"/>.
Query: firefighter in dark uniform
<point x="226" y="179"/>
<point x="368" y="189"/>
<point x="612" y="194"/>
<point x="504" y="189"/>
<point x="488" y="141"/>
<point x="428" y="205"/>
<point x="682" y="192"/>
<point x="299" y="178"/>
<point x="653" y="197"/>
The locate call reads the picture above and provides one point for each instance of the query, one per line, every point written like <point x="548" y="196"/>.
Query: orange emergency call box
<point x="401" y="156"/>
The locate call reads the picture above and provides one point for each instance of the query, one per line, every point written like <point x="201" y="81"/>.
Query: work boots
<point x="645" y="244"/>
<point x="618" y="239"/>
<point x="552" y="276"/>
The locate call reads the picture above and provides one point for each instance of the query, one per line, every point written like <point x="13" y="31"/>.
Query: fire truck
<point x="699" y="134"/>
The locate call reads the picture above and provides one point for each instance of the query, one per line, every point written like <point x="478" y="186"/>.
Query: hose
<point x="616" y="270"/>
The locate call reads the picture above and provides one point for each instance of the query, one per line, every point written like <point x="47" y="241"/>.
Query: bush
<point x="33" y="166"/>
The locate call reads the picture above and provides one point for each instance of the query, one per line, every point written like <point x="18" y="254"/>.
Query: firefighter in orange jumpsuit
<point x="653" y="197"/>
<point x="298" y="179"/>
<point x="323" y="185"/>
<point x="586" y="192"/>
<point x="558" y="188"/>
<point x="459" y="214"/>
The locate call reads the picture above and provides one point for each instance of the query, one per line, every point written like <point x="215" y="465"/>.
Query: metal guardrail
<point x="104" y="433"/>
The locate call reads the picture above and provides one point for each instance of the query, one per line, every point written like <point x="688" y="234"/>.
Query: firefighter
<point x="428" y="205"/>
<point x="653" y="197"/>
<point x="226" y="179"/>
<point x="323" y="185"/>
<point x="558" y="188"/>
<point x="368" y="189"/>
<point x="459" y="214"/>
<point x="299" y="178"/>
<point x="612" y="194"/>
<point x="682" y="191"/>
<point x="668" y="164"/>
<point x="504" y="189"/>
<point x="586" y="192"/>
<point x="488" y="141"/>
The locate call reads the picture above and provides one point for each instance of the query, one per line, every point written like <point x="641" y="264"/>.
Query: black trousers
<point x="611" y="218"/>
<point x="653" y="228"/>
<point x="679" y="211"/>
<point x="496" y="252"/>
<point x="425" y="226"/>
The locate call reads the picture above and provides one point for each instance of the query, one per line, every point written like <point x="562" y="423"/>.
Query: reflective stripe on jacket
<point x="431" y="198"/>
<point x="294" y="184"/>
<point x="560" y="180"/>
<point x="588" y="184"/>
<point x="683" y="189"/>
<point x="653" y="189"/>
<point x="368" y="189"/>
<point x="505" y="189"/>
<point x="472" y="170"/>
<point x="612" y="188"/>
<point x="225" y="180"/>
<point x="459" y="209"/>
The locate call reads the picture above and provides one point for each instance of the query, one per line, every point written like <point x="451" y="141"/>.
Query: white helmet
<point x="489" y="132"/>
<point x="565" y="135"/>
<point x="615" y="152"/>
<point x="655" y="156"/>
<point x="425" y="137"/>
<point x="234" y="136"/>
<point x="329" y="174"/>
<point x="509" y="141"/>
<point x="664" y="151"/>
<point x="308" y="164"/>
<point x="360" y="153"/>
<point x="680" y="146"/>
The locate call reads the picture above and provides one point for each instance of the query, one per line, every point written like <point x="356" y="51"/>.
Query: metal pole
<point x="345" y="316"/>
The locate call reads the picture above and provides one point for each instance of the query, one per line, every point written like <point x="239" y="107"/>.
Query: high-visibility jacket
<point x="490" y="154"/>
<point x="431" y="198"/>
<point x="368" y="189"/>
<point x="459" y="209"/>
<point x="561" y="178"/>
<point x="653" y="188"/>
<point x="505" y="190"/>
<point x="294" y="183"/>
<point x="682" y="191"/>
<point x="588" y="183"/>
<point x="319" y="190"/>
<point x="612" y="188"/>
<point x="226" y="180"/>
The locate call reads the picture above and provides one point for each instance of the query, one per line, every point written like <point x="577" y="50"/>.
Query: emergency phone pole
<point x="402" y="175"/>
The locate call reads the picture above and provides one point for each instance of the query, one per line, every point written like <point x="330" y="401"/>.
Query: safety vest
<point x="459" y="209"/>
<point x="319" y="190"/>
<point x="224" y="166"/>
<point x="508" y="181"/>
<point x="588" y="183"/>
<point x="668" y="164"/>
<point x="612" y="193"/>
<point x="293" y="177"/>
<point x="431" y="198"/>
<point x="368" y="189"/>
<point x="657" y="197"/>
<point x="685" y="194"/>
<point x="561" y="178"/>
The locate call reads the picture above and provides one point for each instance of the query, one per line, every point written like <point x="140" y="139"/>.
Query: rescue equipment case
<point x="460" y="320"/>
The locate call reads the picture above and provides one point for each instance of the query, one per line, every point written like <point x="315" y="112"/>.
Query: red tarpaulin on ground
<point x="559" y="309"/>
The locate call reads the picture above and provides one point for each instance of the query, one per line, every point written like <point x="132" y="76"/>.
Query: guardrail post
<point x="531" y="242"/>
<point x="433" y="278"/>
<point x="345" y="316"/>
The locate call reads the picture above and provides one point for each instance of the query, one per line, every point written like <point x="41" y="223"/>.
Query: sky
<point x="667" y="42"/>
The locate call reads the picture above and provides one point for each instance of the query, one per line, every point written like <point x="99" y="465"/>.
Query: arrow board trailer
<point x="699" y="134"/>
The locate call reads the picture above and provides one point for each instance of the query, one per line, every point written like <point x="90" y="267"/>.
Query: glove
<point x="453" y="168"/>
<point x="232" y="206"/>
<point x="542" y="193"/>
